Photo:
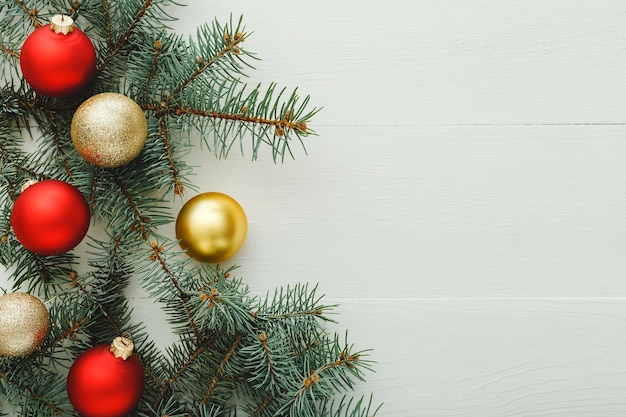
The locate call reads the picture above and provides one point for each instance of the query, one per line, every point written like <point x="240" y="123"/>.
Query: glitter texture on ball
<point x="24" y="324"/>
<point x="109" y="130"/>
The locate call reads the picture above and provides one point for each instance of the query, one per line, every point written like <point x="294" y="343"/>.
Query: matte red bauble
<point x="58" y="60"/>
<point x="106" y="380"/>
<point x="50" y="217"/>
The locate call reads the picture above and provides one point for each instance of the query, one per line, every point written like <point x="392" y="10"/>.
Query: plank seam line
<point x="476" y="124"/>
<point x="565" y="298"/>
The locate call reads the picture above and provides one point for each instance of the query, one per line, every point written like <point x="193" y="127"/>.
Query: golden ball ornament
<point x="109" y="130"/>
<point x="211" y="227"/>
<point x="24" y="324"/>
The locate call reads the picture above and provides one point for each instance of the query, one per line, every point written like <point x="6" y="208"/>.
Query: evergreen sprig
<point x="233" y="351"/>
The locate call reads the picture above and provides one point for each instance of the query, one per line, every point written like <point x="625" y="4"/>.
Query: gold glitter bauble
<point x="24" y="324"/>
<point x="211" y="227"/>
<point x="109" y="130"/>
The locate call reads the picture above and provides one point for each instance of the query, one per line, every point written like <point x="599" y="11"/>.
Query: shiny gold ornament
<point x="24" y="324"/>
<point x="211" y="227"/>
<point x="109" y="130"/>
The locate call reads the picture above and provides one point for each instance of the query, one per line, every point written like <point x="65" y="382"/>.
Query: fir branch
<point x="9" y="107"/>
<point x="13" y="172"/>
<point x="31" y="13"/>
<point x="10" y="52"/>
<point x="209" y="410"/>
<point x="229" y="341"/>
<point x="261" y="408"/>
<point x="164" y="387"/>
<point x="170" y="408"/>
<point x="182" y="295"/>
<point x="231" y="47"/>
<point x="269" y="355"/>
<point x="32" y="394"/>
<point x="325" y="380"/>
<point x="157" y="52"/>
<point x="295" y="302"/>
<point x="107" y="24"/>
<point x="71" y="316"/>
<point x="117" y="47"/>
<point x="94" y="187"/>
<point x="192" y="358"/>
<point x="102" y="291"/>
<point x="178" y="186"/>
<point x="40" y="274"/>
<point x="220" y="369"/>
<point x="141" y="223"/>
<point x="351" y="408"/>
<point x="69" y="333"/>
<point x="122" y="200"/>
<point x="56" y="135"/>
<point x="226" y="308"/>
<point x="281" y="125"/>
<point x="135" y="19"/>
<point x="196" y="83"/>
<point x="107" y="314"/>
<point x="230" y="114"/>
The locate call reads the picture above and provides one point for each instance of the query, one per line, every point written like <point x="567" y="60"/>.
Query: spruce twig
<point x="274" y="353"/>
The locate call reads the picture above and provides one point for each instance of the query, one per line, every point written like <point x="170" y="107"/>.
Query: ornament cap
<point x="122" y="346"/>
<point x="61" y="24"/>
<point x="27" y="184"/>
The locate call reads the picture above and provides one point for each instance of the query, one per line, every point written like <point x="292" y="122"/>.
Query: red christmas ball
<point x="102" y="385"/>
<point x="58" y="64"/>
<point x="50" y="217"/>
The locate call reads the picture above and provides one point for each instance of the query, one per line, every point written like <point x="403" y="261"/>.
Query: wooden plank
<point x="439" y="62"/>
<point x="480" y="357"/>
<point x="461" y="202"/>
<point x="497" y="357"/>
<point x="437" y="211"/>
<point x="434" y="211"/>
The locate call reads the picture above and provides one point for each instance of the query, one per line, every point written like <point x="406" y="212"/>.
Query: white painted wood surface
<point x="464" y="202"/>
<point x="465" y="199"/>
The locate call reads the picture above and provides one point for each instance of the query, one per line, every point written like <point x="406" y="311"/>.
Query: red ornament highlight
<point x="100" y="384"/>
<point x="50" y="217"/>
<point x="58" y="60"/>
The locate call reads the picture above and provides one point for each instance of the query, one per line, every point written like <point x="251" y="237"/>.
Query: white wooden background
<point x="464" y="202"/>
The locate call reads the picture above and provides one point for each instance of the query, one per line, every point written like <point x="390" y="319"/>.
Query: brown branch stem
<point x="123" y="40"/>
<point x="141" y="223"/>
<point x="266" y="351"/>
<point x="157" y="51"/>
<point x="9" y="52"/>
<point x="181" y="294"/>
<point x="231" y="47"/>
<point x="263" y="406"/>
<point x="33" y="394"/>
<point x="67" y="333"/>
<point x="107" y="23"/>
<point x="57" y="144"/>
<point x="31" y="13"/>
<point x="178" y="187"/>
<point x="165" y="386"/>
<point x="94" y="187"/>
<point x="107" y="314"/>
<point x="220" y="369"/>
<point x="280" y="124"/>
<point x="284" y="123"/>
